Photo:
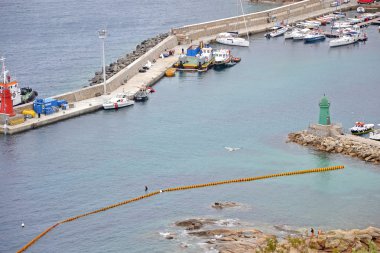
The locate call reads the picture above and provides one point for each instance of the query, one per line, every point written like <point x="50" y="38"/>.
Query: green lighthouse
<point x="324" y="112"/>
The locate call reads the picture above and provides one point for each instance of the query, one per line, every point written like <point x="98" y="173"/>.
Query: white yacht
<point x="344" y="40"/>
<point x="232" y="39"/>
<point x="300" y="35"/>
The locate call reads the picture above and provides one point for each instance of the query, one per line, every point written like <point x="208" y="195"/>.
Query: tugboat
<point x="361" y="128"/>
<point x="19" y="95"/>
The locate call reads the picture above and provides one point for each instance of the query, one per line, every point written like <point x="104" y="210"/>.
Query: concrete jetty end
<point x="124" y="75"/>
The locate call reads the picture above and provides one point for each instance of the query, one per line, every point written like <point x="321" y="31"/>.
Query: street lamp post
<point x="102" y="35"/>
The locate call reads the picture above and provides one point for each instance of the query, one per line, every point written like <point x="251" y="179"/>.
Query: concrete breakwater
<point x="354" y="146"/>
<point x="129" y="58"/>
<point x="224" y="239"/>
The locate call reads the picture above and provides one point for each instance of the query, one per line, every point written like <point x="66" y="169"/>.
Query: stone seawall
<point x="122" y="75"/>
<point x="364" y="149"/>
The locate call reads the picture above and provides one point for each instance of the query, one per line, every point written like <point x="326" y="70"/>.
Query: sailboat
<point x="232" y="38"/>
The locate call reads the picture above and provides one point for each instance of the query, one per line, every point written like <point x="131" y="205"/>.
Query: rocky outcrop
<point x="353" y="146"/>
<point x="192" y="224"/>
<point x="222" y="205"/>
<point x="123" y="62"/>
<point x="252" y="240"/>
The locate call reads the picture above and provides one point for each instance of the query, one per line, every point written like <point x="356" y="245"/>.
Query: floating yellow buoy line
<point x="180" y="188"/>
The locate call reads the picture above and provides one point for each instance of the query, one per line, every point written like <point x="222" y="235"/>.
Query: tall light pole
<point x="102" y="35"/>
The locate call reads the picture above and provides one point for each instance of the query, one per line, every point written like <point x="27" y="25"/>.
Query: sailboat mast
<point x="245" y="23"/>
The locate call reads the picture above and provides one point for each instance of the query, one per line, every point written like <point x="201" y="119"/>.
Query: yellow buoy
<point x="170" y="72"/>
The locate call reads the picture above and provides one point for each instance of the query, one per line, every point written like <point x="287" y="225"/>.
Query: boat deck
<point x="192" y="64"/>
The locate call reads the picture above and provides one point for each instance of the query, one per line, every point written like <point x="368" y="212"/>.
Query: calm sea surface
<point x="178" y="136"/>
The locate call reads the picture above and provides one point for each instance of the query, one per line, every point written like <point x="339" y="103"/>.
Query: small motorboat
<point x="313" y="37"/>
<point x="361" y="128"/>
<point x="141" y="95"/>
<point x="119" y="101"/>
<point x="374" y="136"/>
<point x="278" y="31"/>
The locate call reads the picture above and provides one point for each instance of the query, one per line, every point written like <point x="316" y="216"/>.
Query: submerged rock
<point x="221" y="205"/>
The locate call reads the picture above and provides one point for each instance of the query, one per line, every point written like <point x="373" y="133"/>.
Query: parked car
<point x="335" y="4"/>
<point x="366" y="1"/>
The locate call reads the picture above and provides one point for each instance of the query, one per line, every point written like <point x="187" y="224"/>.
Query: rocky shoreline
<point x="239" y="240"/>
<point x="123" y="62"/>
<point x="364" y="149"/>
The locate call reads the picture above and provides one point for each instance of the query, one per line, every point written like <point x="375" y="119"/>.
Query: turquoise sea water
<point x="178" y="138"/>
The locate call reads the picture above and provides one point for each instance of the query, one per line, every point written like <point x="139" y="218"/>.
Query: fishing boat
<point x="141" y="95"/>
<point x="119" y="101"/>
<point x="360" y="9"/>
<point x="231" y="39"/>
<point x="361" y="128"/>
<point x="314" y="36"/>
<point x="222" y="57"/>
<point x="344" y="40"/>
<point x="19" y="95"/>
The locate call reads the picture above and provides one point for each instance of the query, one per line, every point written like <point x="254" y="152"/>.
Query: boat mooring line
<point x="180" y="188"/>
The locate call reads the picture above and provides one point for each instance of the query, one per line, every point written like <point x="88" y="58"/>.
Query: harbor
<point x="90" y="99"/>
<point x="197" y="128"/>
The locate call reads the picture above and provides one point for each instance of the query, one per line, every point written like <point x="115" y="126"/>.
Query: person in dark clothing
<point x="146" y="188"/>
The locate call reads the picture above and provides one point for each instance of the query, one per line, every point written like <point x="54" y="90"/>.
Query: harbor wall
<point x="115" y="81"/>
<point x="255" y="22"/>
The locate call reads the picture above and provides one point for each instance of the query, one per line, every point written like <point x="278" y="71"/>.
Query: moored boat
<point x="344" y="40"/>
<point x="119" y="101"/>
<point x="19" y="95"/>
<point x="314" y="36"/>
<point x="198" y="58"/>
<point x="141" y="95"/>
<point x="278" y="31"/>
<point x="361" y="128"/>
<point x="374" y="136"/>
<point x="232" y="39"/>
<point x="222" y="57"/>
